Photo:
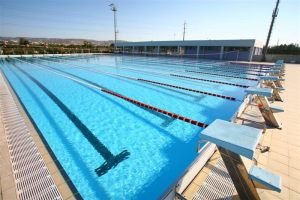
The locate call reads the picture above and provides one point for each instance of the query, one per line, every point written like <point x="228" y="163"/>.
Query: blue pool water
<point x="85" y="127"/>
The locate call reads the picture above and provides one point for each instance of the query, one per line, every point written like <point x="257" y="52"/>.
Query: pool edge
<point x="60" y="177"/>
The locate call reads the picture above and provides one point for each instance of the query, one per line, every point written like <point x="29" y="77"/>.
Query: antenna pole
<point x="184" y="28"/>
<point x="274" y="15"/>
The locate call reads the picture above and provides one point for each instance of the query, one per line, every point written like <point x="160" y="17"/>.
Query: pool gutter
<point x="45" y="55"/>
<point x="60" y="177"/>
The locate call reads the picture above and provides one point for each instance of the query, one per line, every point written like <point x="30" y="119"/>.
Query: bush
<point x="23" y="41"/>
<point x="285" y="49"/>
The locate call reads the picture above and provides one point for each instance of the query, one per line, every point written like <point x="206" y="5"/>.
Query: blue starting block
<point x="269" y="78"/>
<point x="279" y="88"/>
<point x="237" y="138"/>
<point x="233" y="141"/>
<point x="274" y="71"/>
<point x="276" y="109"/>
<point x="266" y="92"/>
<point x="279" y="62"/>
<point x="265" y="179"/>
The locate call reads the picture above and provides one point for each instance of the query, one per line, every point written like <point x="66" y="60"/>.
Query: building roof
<point x="232" y="43"/>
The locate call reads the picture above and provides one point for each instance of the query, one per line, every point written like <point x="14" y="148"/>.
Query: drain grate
<point x="32" y="177"/>
<point x="217" y="185"/>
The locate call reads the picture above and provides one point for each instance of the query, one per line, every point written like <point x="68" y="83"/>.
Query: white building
<point x="210" y="49"/>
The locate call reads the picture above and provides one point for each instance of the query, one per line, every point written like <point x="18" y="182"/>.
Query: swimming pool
<point x="112" y="146"/>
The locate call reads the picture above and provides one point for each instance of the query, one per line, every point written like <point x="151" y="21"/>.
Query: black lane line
<point x="111" y="160"/>
<point x="167" y="119"/>
<point x="188" y="89"/>
<point x="215" y="68"/>
<point x="171" y="114"/>
<point x="160" y="83"/>
<point x="215" y="74"/>
<point x="78" y="77"/>
<point x="202" y="66"/>
<point x="156" y="73"/>
<point x="213" y="81"/>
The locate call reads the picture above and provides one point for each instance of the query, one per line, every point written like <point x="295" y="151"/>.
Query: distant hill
<point x="61" y="40"/>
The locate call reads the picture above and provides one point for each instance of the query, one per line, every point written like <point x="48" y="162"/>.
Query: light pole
<point x="184" y="28"/>
<point x="274" y="15"/>
<point x="114" y="9"/>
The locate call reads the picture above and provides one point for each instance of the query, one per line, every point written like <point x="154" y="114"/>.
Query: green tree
<point x="285" y="49"/>
<point x="87" y="44"/>
<point x="23" y="41"/>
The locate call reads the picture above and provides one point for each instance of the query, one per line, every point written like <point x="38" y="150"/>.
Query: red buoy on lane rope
<point x="188" y="89"/>
<point x="174" y="115"/>
<point x="212" y="81"/>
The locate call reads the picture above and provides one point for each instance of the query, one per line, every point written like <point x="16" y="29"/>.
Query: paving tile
<point x="284" y="194"/>
<point x="294" y="184"/>
<point x="71" y="198"/>
<point x="200" y="178"/>
<point x="7" y="182"/>
<point x="293" y="137"/>
<point x="263" y="160"/>
<point x="278" y="167"/>
<point x="295" y="142"/>
<point x="10" y="194"/>
<point x="268" y="196"/>
<point x="58" y="178"/>
<point x="295" y="173"/>
<point x="279" y="157"/>
<point x="293" y="163"/>
<point x="294" y="155"/>
<point x="294" y="148"/>
<point x="280" y="137"/>
<point x="43" y="151"/>
<point x="47" y="158"/>
<point x="52" y="167"/>
<point x="278" y="144"/>
<point x="190" y="192"/>
<point x="5" y="169"/>
<point x="294" y="195"/>
<point x="281" y="150"/>
<point x="65" y="191"/>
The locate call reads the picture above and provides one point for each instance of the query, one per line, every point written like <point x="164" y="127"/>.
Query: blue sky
<point x="140" y="20"/>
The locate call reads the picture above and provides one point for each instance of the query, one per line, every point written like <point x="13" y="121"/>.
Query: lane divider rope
<point x="161" y="74"/>
<point x="188" y="89"/>
<point x="160" y="83"/>
<point x="157" y="83"/>
<point x="197" y="72"/>
<point x="204" y="66"/>
<point x="173" y="115"/>
<point x="213" y="81"/>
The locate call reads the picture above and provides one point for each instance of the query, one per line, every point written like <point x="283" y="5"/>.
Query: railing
<point x="51" y="50"/>
<point x="226" y="55"/>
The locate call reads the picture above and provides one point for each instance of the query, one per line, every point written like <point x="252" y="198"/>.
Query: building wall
<point x="206" y="49"/>
<point x="274" y="57"/>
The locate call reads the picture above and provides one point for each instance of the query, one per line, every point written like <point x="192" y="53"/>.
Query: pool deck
<point x="283" y="158"/>
<point x="7" y="181"/>
<point x="284" y="155"/>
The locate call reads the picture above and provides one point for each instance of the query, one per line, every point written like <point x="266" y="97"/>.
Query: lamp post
<point x="114" y="9"/>
<point x="184" y="28"/>
<point x="274" y="15"/>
